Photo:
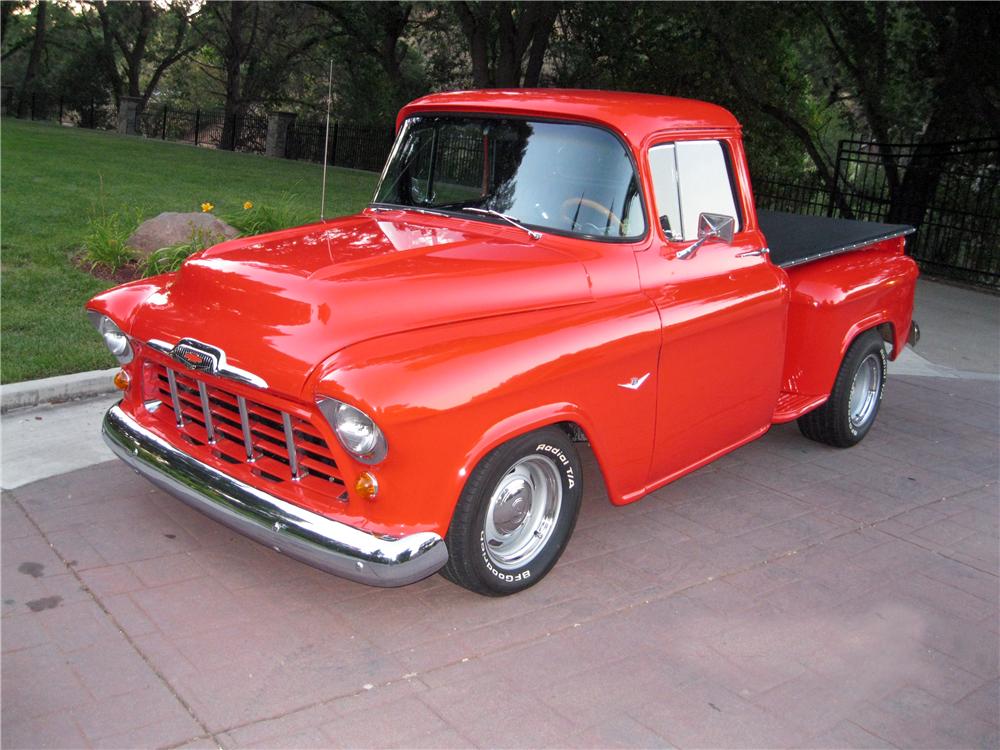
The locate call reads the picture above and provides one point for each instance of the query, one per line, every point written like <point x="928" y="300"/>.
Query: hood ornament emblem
<point x="197" y="355"/>
<point x="635" y="383"/>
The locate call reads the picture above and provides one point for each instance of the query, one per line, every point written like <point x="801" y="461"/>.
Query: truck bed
<point x="795" y="239"/>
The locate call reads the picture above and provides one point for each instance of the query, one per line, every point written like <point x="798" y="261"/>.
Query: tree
<point x="137" y="36"/>
<point x="8" y="20"/>
<point x="252" y="46"/>
<point x="34" y="61"/>
<point x="744" y="57"/>
<point x="920" y="72"/>
<point x="374" y="30"/>
<point x="507" y="41"/>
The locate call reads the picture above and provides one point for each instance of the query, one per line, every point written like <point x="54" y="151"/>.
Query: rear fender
<point x="834" y="300"/>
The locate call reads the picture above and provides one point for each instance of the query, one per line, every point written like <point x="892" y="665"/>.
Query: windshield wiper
<point x="509" y="219"/>
<point x="428" y="211"/>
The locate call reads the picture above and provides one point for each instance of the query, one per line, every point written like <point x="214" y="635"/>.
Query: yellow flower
<point x="247" y="205"/>
<point x="206" y="207"/>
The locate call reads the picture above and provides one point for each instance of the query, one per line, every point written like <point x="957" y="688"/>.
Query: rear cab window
<point x="690" y="178"/>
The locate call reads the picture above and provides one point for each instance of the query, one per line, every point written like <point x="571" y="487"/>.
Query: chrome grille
<point x="276" y="445"/>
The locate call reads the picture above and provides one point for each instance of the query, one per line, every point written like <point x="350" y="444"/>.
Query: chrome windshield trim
<point x="318" y="541"/>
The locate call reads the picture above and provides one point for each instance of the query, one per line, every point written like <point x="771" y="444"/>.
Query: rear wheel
<point x="850" y="412"/>
<point x="515" y="515"/>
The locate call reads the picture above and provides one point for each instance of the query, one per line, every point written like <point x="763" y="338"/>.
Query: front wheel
<point x="515" y="515"/>
<point x="850" y="412"/>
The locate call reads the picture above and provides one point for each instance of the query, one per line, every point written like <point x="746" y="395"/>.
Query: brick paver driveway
<point x="788" y="595"/>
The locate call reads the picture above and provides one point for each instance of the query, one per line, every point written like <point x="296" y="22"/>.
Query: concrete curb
<point x="57" y="389"/>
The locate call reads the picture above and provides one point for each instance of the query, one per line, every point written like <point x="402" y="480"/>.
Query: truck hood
<point x="280" y="304"/>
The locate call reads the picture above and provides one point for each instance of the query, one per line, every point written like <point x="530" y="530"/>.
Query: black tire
<point x="533" y="484"/>
<point x="846" y="417"/>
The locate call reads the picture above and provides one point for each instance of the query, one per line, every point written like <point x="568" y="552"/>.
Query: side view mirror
<point x="710" y="226"/>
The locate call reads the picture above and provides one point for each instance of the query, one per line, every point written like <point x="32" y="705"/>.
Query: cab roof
<point x="633" y="115"/>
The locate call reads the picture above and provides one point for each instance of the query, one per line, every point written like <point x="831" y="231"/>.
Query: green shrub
<point x="263" y="217"/>
<point x="104" y="242"/>
<point x="168" y="259"/>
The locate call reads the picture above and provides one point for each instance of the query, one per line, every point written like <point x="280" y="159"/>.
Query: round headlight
<point x="355" y="430"/>
<point x="114" y="338"/>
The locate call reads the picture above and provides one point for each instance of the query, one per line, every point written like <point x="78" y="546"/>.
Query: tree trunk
<point x="232" y="108"/>
<point x="475" y="26"/>
<point x="398" y="16"/>
<point x="24" y="97"/>
<point x="107" y="54"/>
<point x="913" y="196"/>
<point x="540" y="43"/>
<point x="233" y="55"/>
<point x="134" y="57"/>
<point x="508" y="65"/>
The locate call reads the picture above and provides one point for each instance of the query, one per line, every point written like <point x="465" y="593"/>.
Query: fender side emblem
<point x="635" y="383"/>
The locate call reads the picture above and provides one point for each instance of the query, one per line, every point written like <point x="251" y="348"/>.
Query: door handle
<point x="751" y="253"/>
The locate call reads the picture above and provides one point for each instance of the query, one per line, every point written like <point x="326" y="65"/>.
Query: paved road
<point x="788" y="595"/>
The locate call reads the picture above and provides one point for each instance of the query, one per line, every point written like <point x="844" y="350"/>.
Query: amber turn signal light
<point x="367" y="485"/>
<point x="122" y="380"/>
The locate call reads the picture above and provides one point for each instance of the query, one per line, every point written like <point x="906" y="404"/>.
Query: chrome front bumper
<point x="314" y="539"/>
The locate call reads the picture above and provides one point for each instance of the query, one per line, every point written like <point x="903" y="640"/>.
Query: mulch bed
<point x="128" y="272"/>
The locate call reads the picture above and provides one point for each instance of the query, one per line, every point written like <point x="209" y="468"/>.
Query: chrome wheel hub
<point x="522" y="512"/>
<point x="865" y="390"/>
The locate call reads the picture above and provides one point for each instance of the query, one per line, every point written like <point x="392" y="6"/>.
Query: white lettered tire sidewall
<point x="471" y="564"/>
<point x="859" y="431"/>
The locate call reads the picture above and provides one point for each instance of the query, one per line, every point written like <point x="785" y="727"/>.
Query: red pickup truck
<point x="401" y="392"/>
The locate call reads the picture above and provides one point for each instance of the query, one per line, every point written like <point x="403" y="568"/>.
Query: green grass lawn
<point x="52" y="181"/>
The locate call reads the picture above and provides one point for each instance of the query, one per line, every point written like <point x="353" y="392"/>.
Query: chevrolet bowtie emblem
<point x="635" y="383"/>
<point x="197" y="355"/>
<point x="192" y="358"/>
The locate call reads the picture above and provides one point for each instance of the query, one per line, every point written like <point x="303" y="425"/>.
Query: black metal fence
<point x="245" y="131"/>
<point x="81" y="111"/>
<point x="949" y="191"/>
<point x="353" y="146"/>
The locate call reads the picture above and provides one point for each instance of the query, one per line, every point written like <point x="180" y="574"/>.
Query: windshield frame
<point x="459" y="214"/>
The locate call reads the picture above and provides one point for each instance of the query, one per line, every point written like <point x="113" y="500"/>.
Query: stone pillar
<point x="278" y="126"/>
<point x="128" y="113"/>
<point x="6" y="100"/>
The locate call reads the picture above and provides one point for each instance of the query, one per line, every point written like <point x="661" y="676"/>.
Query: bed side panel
<point x="835" y="299"/>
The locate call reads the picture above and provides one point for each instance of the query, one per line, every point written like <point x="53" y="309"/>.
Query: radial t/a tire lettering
<point x="516" y="514"/>
<point x="850" y="412"/>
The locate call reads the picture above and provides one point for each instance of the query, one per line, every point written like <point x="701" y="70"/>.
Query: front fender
<point x="445" y="396"/>
<point x="121" y="303"/>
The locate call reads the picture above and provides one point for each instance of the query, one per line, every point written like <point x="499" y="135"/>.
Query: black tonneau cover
<point x="796" y="239"/>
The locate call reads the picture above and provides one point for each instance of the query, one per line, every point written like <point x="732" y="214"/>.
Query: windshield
<point x="564" y="177"/>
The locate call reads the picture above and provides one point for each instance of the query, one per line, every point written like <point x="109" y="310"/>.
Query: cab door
<point x="722" y="311"/>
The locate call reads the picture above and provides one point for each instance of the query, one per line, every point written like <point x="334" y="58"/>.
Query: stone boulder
<point x="172" y="228"/>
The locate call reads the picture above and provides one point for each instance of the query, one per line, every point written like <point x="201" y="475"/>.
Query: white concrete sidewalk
<point x="51" y="439"/>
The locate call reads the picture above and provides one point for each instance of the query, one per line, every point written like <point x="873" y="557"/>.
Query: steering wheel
<point x="570" y="206"/>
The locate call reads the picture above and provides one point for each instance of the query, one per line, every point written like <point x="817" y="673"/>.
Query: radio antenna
<point x="326" y="140"/>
